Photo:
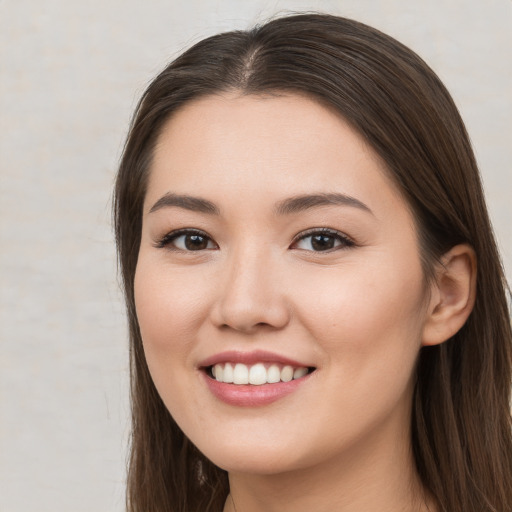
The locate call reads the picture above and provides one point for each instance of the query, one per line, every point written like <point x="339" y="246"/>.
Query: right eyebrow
<point x="195" y="204"/>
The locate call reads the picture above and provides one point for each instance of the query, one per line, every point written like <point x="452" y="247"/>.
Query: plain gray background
<point x="70" y="75"/>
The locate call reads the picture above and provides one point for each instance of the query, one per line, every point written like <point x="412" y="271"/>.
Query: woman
<point x="317" y="310"/>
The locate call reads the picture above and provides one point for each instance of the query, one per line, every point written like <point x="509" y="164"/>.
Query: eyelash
<point x="169" y="238"/>
<point x="345" y="242"/>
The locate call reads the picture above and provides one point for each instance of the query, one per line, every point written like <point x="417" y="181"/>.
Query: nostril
<point x="247" y="328"/>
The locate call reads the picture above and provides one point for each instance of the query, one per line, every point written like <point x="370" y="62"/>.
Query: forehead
<point x="228" y="146"/>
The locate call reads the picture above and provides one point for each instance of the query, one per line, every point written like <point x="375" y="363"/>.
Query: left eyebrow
<point x="305" y="202"/>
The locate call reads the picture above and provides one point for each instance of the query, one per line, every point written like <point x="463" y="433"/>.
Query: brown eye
<point x="195" y="242"/>
<point x="322" y="241"/>
<point x="187" y="240"/>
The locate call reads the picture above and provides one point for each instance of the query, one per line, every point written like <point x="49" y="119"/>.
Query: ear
<point x="452" y="295"/>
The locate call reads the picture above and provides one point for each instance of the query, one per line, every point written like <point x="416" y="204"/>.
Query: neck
<point x="378" y="477"/>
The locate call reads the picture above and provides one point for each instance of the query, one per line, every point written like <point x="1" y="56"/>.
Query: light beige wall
<point x="70" y="73"/>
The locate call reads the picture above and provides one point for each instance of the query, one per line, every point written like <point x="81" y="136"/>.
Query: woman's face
<point x="274" y="244"/>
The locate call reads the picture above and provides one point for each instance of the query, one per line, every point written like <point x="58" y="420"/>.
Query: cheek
<point x="368" y="325"/>
<point x="170" y="306"/>
<point x="365" y="317"/>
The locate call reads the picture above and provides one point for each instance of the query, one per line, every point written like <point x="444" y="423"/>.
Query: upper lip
<point x="248" y="358"/>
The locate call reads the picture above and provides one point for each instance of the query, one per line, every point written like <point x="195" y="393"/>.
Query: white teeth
<point x="228" y="374"/>
<point x="287" y="374"/>
<point x="219" y="370"/>
<point x="273" y="374"/>
<point x="297" y="374"/>
<point x="240" y="374"/>
<point x="256" y="374"/>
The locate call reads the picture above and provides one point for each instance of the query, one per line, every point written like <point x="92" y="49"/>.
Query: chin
<point x="255" y="462"/>
<point x="256" y="456"/>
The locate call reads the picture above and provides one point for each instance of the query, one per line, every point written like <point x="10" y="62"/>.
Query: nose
<point x="251" y="295"/>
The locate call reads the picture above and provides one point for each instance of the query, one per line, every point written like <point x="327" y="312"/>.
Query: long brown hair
<point x="461" y="431"/>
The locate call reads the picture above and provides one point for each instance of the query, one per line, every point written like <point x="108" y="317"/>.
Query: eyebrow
<point x="286" y="207"/>
<point x="305" y="202"/>
<point x="195" y="204"/>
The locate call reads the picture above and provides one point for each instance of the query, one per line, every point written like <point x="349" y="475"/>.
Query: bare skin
<point x="335" y="284"/>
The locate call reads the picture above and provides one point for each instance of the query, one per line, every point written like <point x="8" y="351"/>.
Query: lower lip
<point x="246" y="395"/>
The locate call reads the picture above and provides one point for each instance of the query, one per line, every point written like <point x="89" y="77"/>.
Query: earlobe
<point x="453" y="295"/>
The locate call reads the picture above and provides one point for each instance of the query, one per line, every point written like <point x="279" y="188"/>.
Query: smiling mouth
<point x="255" y="374"/>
